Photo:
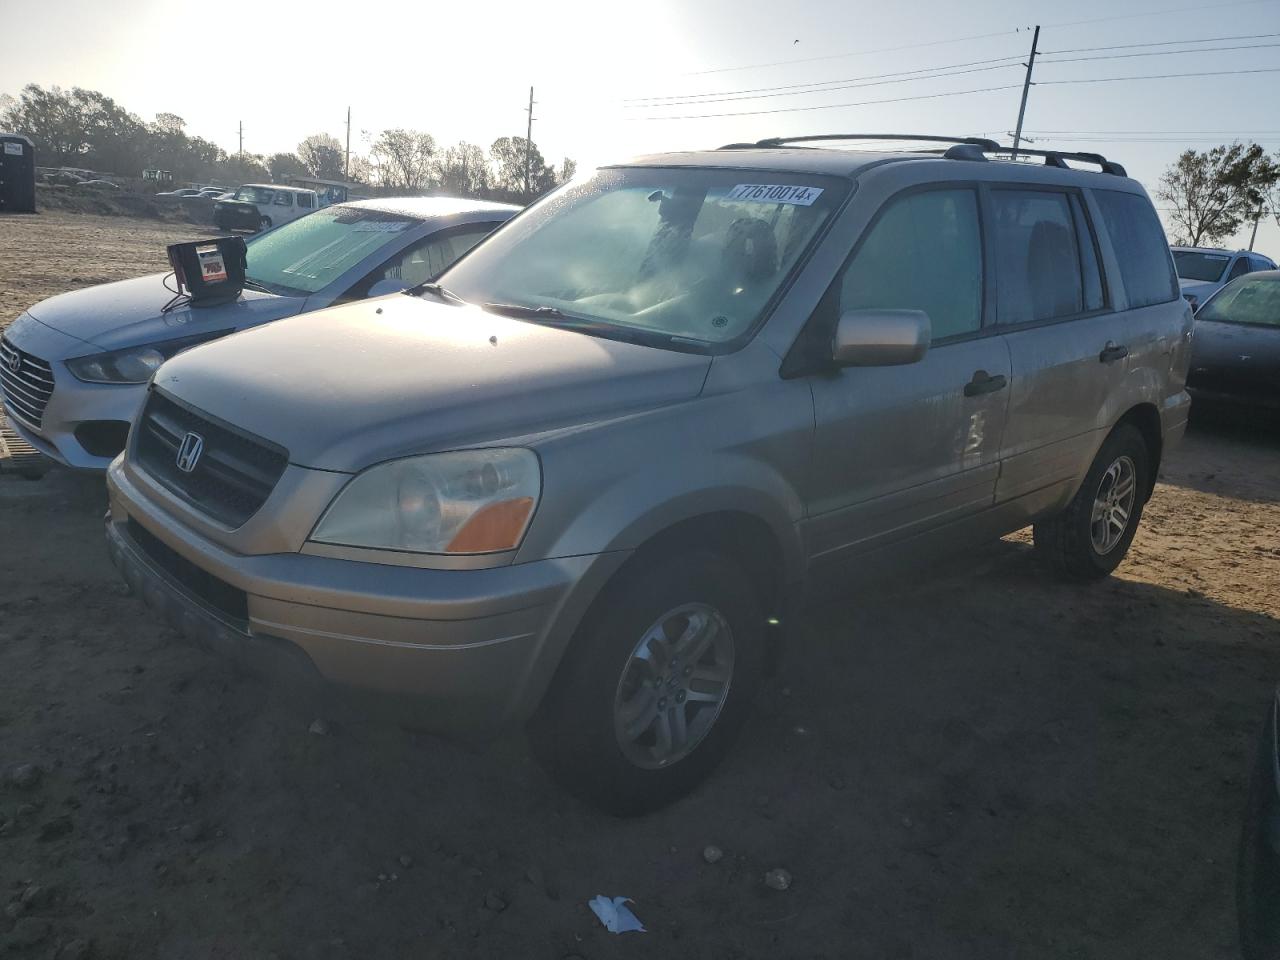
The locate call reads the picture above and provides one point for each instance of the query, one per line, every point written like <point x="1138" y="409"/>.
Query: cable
<point x="1161" y="53"/>
<point x="819" y="83"/>
<point x="1161" y="43"/>
<point x="1157" y="76"/>
<point x="978" y="36"/>
<point x="801" y="93"/>
<point x="832" y="106"/>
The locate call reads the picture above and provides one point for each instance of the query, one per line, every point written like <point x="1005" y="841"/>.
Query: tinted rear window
<point x="1139" y="243"/>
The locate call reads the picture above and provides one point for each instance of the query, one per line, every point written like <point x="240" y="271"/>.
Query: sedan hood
<point x="1236" y="358"/>
<point x="127" y="313"/>
<point x="370" y="381"/>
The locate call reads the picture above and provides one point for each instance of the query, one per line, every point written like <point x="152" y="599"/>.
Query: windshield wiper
<point x="253" y="284"/>
<point x="436" y="290"/>
<point x="554" y="316"/>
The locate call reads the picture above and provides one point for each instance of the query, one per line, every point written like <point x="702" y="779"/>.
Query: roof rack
<point x="963" y="148"/>
<point x="782" y="141"/>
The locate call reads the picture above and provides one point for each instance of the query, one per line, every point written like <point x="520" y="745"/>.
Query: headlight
<point x="134" y="364"/>
<point x="469" y="501"/>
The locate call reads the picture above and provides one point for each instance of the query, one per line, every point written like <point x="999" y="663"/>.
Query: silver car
<point x="74" y="368"/>
<point x="581" y="482"/>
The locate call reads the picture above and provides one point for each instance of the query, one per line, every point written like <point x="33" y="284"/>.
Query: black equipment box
<point x="209" y="271"/>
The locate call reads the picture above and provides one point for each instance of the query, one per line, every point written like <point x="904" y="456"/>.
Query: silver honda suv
<point x="580" y="482"/>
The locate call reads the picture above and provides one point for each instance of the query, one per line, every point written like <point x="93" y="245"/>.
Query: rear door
<point x="1067" y="346"/>
<point x="901" y="450"/>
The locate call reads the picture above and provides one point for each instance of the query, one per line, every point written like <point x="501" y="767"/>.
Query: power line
<point x="978" y="36"/>
<point x="833" y="106"/>
<point x="846" y="86"/>
<point x="821" y="83"/>
<point x="1161" y="43"/>
<point x="1159" y="76"/>
<point x="1164" y="53"/>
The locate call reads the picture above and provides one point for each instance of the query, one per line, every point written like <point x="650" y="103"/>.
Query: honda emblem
<point x="15" y="362"/>
<point x="189" y="452"/>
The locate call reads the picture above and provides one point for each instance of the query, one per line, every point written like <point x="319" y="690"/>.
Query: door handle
<point x="983" y="382"/>
<point x="1111" y="352"/>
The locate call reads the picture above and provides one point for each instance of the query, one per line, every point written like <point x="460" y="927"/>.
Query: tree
<point x="282" y="166"/>
<point x="1214" y="192"/>
<point x="463" y="171"/>
<point x="509" y="157"/>
<point x="244" y="168"/>
<point x="404" y="159"/>
<point x="323" y="156"/>
<point x="567" y="170"/>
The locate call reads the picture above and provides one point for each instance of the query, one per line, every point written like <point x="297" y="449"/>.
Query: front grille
<point x="235" y="472"/>
<point x="231" y="602"/>
<point x="27" y="382"/>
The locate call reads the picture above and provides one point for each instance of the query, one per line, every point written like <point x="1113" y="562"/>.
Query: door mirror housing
<point x="881" y="338"/>
<point x="387" y="285"/>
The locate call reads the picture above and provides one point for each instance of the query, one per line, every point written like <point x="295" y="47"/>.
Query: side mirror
<point x="387" y="285"/>
<point x="881" y="338"/>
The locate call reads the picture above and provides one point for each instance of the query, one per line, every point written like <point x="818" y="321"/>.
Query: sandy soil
<point x="977" y="762"/>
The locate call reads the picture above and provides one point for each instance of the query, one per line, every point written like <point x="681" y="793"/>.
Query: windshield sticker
<point x="775" y="193"/>
<point x="15" y="149"/>
<point x="380" y="226"/>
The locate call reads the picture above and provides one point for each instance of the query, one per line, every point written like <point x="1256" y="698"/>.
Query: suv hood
<point x="127" y="313"/>
<point x="1197" y="288"/>
<point x="354" y="385"/>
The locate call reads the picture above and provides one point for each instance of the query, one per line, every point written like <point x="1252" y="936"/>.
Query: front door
<point x="901" y="450"/>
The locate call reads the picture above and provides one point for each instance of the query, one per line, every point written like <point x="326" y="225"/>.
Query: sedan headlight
<point x="468" y="501"/>
<point x="134" y="364"/>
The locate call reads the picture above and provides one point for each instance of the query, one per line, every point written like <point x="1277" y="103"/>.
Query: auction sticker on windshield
<point x="380" y="226"/>
<point x="775" y="193"/>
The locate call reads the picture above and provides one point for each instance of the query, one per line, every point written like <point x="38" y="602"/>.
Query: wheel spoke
<point x="1124" y="487"/>
<point x="637" y="715"/>
<point x="662" y="749"/>
<point x="679" y="726"/>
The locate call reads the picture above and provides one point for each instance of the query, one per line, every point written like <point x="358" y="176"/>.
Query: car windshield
<point x="684" y="258"/>
<point x="254" y="194"/>
<point x="313" y="251"/>
<point x="1194" y="265"/>
<point x="1249" y="300"/>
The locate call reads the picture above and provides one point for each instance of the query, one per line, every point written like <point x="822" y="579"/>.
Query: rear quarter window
<point x="1146" y="267"/>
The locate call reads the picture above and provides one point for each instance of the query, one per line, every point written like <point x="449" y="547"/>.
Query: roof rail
<point x="1057" y="158"/>
<point x="963" y="148"/>
<point x="783" y="141"/>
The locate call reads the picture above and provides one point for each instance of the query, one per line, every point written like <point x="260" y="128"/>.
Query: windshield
<point x="1193" y="265"/>
<point x="254" y="194"/>
<point x="689" y="254"/>
<point x="1249" y="300"/>
<point x="313" y="251"/>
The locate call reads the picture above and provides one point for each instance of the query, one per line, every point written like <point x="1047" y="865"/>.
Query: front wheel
<point x="1092" y="535"/>
<point x="656" y="684"/>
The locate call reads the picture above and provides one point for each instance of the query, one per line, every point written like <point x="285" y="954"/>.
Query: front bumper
<point x="456" y="649"/>
<point x="1258" y="891"/>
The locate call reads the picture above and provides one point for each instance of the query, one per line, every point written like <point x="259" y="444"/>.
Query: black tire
<point x="573" y="733"/>
<point x="1066" y="541"/>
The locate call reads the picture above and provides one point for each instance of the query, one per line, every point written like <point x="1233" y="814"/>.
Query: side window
<point x="304" y="200"/>
<point x="924" y="252"/>
<point x="1038" y="263"/>
<point x="284" y="199"/>
<point x="1239" y="268"/>
<point x="1146" y="266"/>
<point x="429" y="258"/>
<point x="1090" y="265"/>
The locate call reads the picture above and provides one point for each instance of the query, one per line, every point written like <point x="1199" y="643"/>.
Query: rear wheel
<point x="1092" y="535"/>
<point x="655" y="685"/>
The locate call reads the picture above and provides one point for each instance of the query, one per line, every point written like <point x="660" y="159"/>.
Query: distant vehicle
<point x="261" y="206"/>
<point x="574" y="480"/>
<point x="329" y="191"/>
<point x="159" y="176"/>
<point x="1202" y="271"/>
<point x="178" y="194"/>
<point x="74" y="368"/>
<point x="99" y="185"/>
<point x="1258" y="866"/>
<point x="212" y="193"/>
<point x="64" y="179"/>
<point x="1235" y="356"/>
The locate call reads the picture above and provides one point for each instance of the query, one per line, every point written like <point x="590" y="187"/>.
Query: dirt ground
<point x="978" y="761"/>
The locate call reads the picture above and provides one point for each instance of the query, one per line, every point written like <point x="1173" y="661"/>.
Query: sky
<point x="600" y="71"/>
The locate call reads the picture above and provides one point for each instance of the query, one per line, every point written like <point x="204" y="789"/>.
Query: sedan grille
<point x="27" y="383"/>
<point x="228" y="475"/>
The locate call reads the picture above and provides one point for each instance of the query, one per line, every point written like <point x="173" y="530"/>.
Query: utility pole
<point x="1026" y="86"/>
<point x="346" y="166"/>
<point x="528" y="147"/>
<point x="241" y="140"/>
<point x="1254" y="235"/>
